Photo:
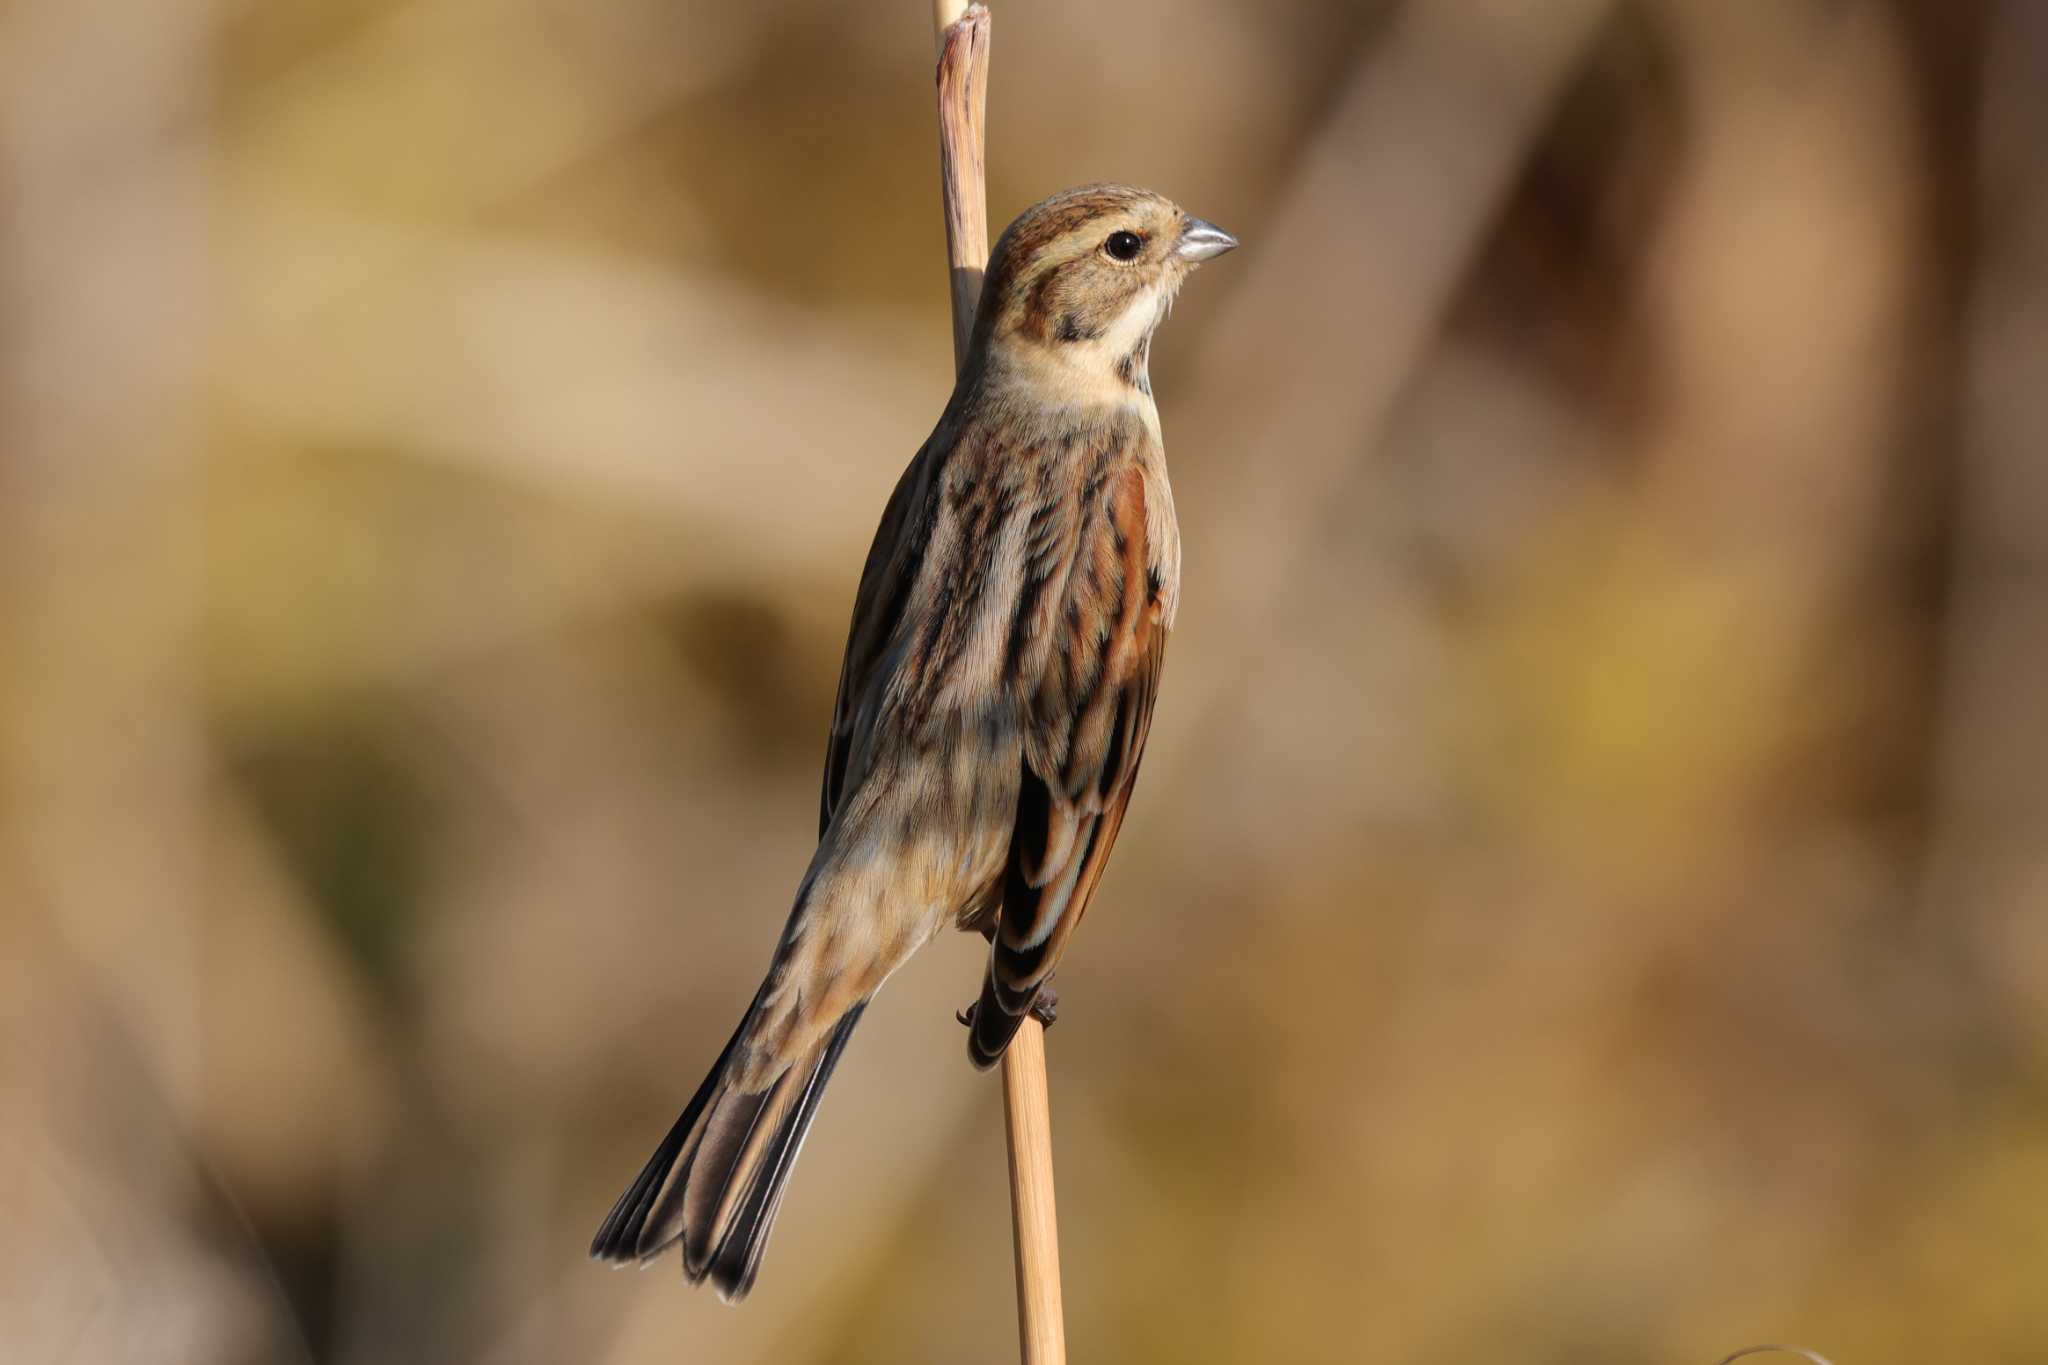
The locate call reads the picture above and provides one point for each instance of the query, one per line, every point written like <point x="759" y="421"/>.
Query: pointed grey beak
<point x="1200" y="240"/>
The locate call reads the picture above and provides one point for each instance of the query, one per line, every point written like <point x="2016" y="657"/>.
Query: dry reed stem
<point x="1027" y="1110"/>
<point x="1034" y="1220"/>
<point x="963" y="117"/>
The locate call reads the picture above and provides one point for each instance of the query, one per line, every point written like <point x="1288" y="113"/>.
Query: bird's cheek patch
<point x="1044" y="306"/>
<point x="1078" y="326"/>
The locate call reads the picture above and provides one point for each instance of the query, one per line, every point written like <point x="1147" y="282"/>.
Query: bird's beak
<point x="1200" y="240"/>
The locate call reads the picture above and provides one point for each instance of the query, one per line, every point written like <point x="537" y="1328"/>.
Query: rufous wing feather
<point x="1090" y="720"/>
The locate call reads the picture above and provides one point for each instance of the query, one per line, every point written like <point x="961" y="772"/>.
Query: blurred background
<point x="1588" y="898"/>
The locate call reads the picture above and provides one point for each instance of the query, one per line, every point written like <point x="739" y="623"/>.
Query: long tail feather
<point x="618" y="1239"/>
<point x="716" y="1181"/>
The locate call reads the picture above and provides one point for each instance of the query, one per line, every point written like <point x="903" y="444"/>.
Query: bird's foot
<point x="1045" y="1008"/>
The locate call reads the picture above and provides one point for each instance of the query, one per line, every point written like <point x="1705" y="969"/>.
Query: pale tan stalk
<point x="963" y="34"/>
<point x="963" y="115"/>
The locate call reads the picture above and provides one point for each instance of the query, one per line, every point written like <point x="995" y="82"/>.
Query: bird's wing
<point x="1086" y="723"/>
<point x="892" y="568"/>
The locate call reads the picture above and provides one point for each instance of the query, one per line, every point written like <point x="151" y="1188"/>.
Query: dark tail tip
<point x="618" y="1238"/>
<point x="736" y="1257"/>
<point x="735" y="1177"/>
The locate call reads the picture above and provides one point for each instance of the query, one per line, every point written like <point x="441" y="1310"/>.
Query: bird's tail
<point x="716" y="1181"/>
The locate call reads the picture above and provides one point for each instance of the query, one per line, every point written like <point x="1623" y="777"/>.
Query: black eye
<point x="1125" y="246"/>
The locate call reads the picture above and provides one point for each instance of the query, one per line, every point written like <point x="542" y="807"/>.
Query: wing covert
<point x="1087" y="720"/>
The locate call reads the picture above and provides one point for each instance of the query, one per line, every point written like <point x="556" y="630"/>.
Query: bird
<point x="993" y="706"/>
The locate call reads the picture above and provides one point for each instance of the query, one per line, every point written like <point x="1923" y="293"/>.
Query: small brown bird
<point x="993" y="705"/>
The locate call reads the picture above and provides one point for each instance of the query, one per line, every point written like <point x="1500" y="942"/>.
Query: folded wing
<point x="1089" y="645"/>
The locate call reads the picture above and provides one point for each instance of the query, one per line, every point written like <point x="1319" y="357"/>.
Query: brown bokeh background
<point x="1588" y="898"/>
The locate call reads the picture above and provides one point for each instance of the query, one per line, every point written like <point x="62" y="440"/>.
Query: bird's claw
<point x="1045" y="1008"/>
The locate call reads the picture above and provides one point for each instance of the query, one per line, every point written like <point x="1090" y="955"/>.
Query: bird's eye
<point x="1124" y="246"/>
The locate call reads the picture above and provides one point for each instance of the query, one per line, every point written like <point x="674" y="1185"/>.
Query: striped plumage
<point x="993" y="705"/>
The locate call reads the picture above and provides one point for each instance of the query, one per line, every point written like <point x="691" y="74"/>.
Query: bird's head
<point x="1078" y="283"/>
